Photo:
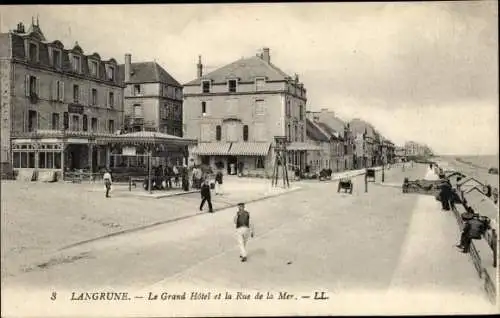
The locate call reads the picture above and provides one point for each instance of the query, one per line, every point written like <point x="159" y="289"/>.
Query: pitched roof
<point x="19" y="53"/>
<point x="359" y="126"/>
<point x="314" y="132"/>
<point x="330" y="130"/>
<point x="246" y="70"/>
<point x="148" y="72"/>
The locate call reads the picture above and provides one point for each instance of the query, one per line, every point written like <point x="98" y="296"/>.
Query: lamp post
<point x="383" y="168"/>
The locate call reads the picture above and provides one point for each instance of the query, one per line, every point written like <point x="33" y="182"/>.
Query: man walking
<point x="243" y="229"/>
<point x="206" y="196"/>
<point x="218" y="183"/>
<point x="107" y="182"/>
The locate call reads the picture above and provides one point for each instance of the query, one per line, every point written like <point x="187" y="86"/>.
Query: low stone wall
<point x="483" y="256"/>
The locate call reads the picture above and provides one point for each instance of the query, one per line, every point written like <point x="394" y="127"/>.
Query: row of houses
<point x="63" y="109"/>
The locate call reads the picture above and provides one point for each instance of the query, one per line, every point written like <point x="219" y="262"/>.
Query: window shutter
<point x="38" y="87"/>
<point x="106" y="98"/>
<point x="83" y="92"/>
<point x="53" y="90"/>
<point x="62" y="91"/>
<point x="27" y="85"/>
<point x="90" y="100"/>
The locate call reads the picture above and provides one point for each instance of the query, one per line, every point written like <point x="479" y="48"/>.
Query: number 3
<point x="53" y="297"/>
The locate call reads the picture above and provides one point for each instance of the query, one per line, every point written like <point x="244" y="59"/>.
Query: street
<point x="315" y="239"/>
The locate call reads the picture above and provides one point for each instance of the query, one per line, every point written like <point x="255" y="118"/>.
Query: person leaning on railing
<point x="475" y="227"/>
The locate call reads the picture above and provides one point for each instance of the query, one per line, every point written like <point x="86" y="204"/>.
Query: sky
<point x="426" y="72"/>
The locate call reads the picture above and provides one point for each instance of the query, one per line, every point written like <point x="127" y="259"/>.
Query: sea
<point x="475" y="166"/>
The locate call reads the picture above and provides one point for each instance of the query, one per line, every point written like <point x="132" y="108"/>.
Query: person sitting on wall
<point x="473" y="230"/>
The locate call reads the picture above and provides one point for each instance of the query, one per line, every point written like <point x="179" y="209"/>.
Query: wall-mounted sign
<point x="75" y="109"/>
<point x="129" y="151"/>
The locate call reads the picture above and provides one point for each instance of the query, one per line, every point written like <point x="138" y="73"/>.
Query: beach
<point x="475" y="166"/>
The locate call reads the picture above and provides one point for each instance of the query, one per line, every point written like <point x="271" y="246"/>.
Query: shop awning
<point x="302" y="146"/>
<point x="211" y="149"/>
<point x="250" y="148"/>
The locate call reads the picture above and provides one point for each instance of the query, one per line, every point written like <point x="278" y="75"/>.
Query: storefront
<point x="65" y="154"/>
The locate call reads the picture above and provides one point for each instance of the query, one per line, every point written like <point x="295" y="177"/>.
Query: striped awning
<point x="302" y="146"/>
<point x="250" y="148"/>
<point x="211" y="149"/>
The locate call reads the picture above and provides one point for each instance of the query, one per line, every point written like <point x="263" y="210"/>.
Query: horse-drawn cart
<point x="346" y="185"/>
<point x="370" y="175"/>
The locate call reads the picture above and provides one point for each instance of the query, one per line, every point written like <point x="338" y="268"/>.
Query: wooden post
<point x="149" y="172"/>
<point x="383" y="168"/>
<point x="366" y="181"/>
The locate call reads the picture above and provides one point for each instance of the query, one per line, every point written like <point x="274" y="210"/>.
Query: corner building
<point x="236" y="111"/>
<point x="55" y="101"/>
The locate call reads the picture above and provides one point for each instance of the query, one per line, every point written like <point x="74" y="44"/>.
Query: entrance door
<point x="232" y="165"/>
<point x="94" y="160"/>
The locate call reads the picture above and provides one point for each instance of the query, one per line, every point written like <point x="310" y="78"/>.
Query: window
<point x="111" y="126"/>
<point x="32" y="120"/>
<point x="288" y="110"/>
<point x="56" y="58"/>
<point x="93" y="124"/>
<point x="33" y="52"/>
<point x="260" y="83"/>
<point x="232" y="106"/>
<point x="231" y="85"/>
<point x="138" y="111"/>
<point x="93" y="68"/>
<point x="111" y="99"/>
<point x="205" y="86"/>
<point x="55" y="121"/>
<point x="85" y="123"/>
<point x="137" y="90"/>
<point x="245" y="133"/>
<point x="111" y="73"/>
<point x="218" y="133"/>
<point x="259" y="107"/>
<point x="232" y="132"/>
<point x="33" y="85"/>
<point x="60" y="91"/>
<point x="66" y="120"/>
<point x="76" y="93"/>
<point x="75" y="123"/>
<point x="94" y="96"/>
<point x="301" y="109"/>
<point x="296" y="133"/>
<point x="289" y="133"/>
<point x="259" y="162"/>
<point x="76" y="64"/>
<point x="205" y="132"/>
<point x="203" y="108"/>
<point x="259" y="132"/>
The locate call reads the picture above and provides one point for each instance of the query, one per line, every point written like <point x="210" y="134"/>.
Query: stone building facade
<point x="48" y="89"/>
<point x="152" y="98"/>
<point x="236" y="111"/>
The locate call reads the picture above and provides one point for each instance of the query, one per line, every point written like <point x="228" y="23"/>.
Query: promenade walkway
<point x="372" y="252"/>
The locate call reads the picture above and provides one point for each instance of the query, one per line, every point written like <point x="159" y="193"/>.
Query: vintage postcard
<point x="258" y="159"/>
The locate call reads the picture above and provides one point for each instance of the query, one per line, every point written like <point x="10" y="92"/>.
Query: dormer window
<point x="205" y="85"/>
<point x="111" y="73"/>
<point x="33" y="52"/>
<point x="76" y="63"/>
<point x="260" y="84"/>
<point x="56" y="58"/>
<point x="231" y="85"/>
<point x="93" y="68"/>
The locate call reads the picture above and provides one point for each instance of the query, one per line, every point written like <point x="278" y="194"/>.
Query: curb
<point x="143" y="227"/>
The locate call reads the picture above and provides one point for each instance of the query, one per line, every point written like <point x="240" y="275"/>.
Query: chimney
<point x="199" y="67"/>
<point x="128" y="67"/>
<point x="265" y="55"/>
